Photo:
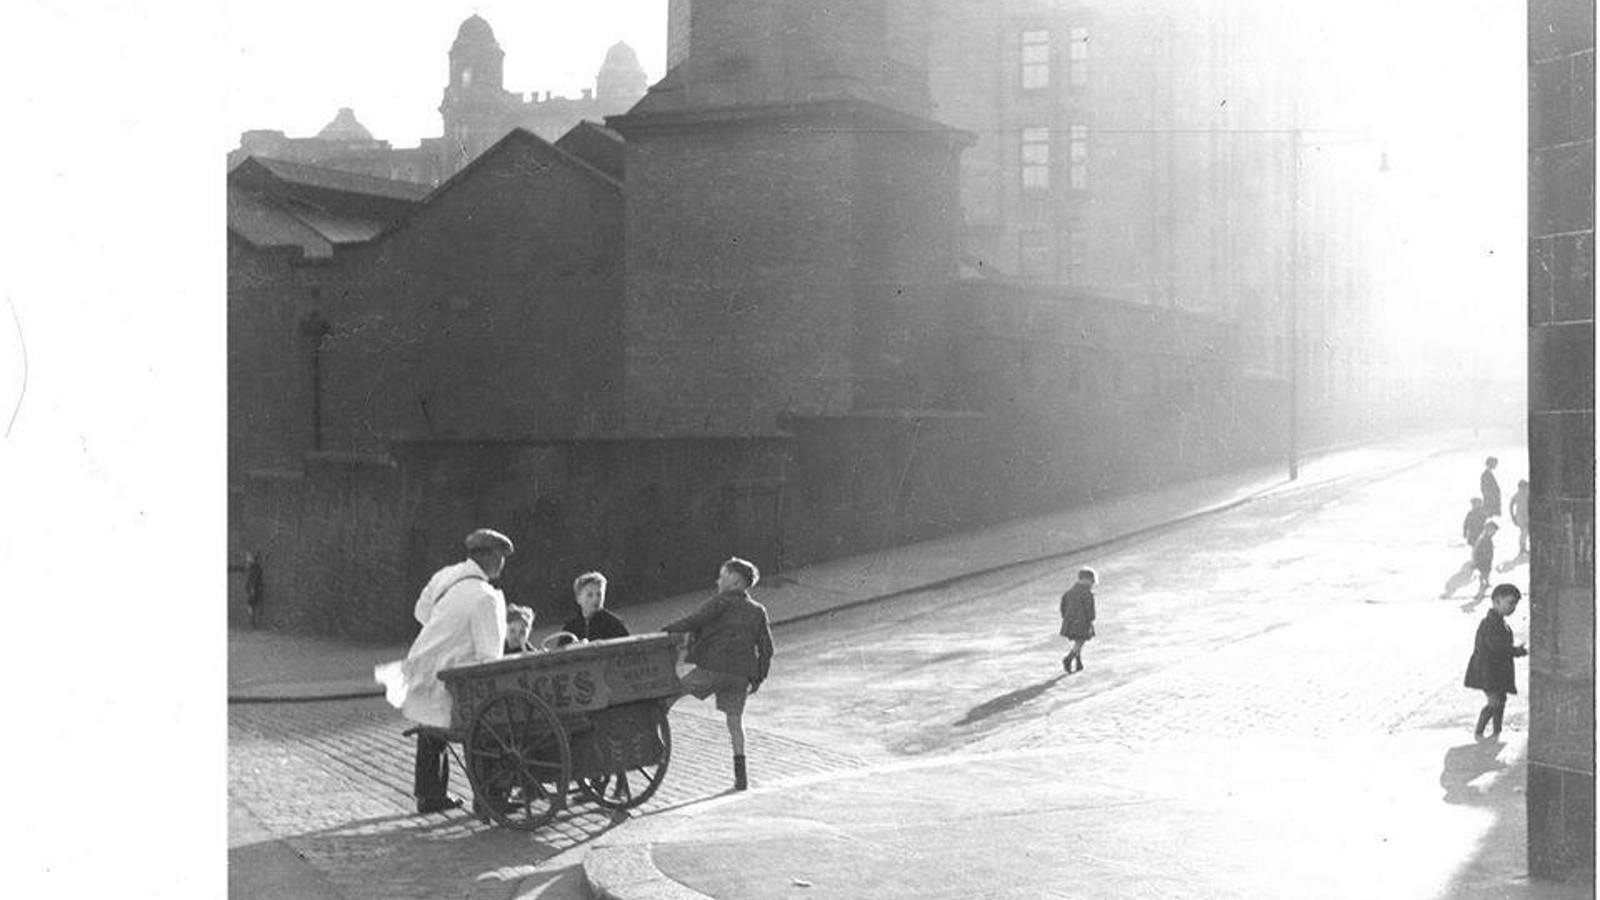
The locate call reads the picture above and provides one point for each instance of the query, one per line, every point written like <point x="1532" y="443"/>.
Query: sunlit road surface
<point x="1313" y="611"/>
<point x="1272" y="707"/>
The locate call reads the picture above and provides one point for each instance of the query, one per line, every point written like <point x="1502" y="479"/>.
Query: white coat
<point x="465" y="624"/>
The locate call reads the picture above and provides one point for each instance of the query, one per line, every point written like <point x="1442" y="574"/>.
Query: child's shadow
<point x="1513" y="562"/>
<point x="1459" y="579"/>
<point x="1465" y="764"/>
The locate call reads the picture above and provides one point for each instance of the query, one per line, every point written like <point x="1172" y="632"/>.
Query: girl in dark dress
<point x="1077" y="618"/>
<point x="1490" y="669"/>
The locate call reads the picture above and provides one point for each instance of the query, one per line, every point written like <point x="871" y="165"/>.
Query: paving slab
<point x="1419" y="815"/>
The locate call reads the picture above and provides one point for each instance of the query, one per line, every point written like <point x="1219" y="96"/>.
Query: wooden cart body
<point x="599" y="708"/>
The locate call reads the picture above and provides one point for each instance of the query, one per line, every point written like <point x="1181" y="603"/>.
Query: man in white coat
<point x="463" y="622"/>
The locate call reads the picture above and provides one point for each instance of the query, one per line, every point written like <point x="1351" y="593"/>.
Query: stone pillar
<point x="1561" y="786"/>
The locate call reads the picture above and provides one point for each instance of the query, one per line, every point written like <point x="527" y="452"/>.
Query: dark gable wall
<point x="739" y="294"/>
<point x="493" y="311"/>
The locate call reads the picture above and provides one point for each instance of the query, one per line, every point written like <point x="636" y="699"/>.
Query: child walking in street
<point x="1490" y="669"/>
<point x="1077" y="618"/>
<point x="1472" y="525"/>
<point x="1483" y="555"/>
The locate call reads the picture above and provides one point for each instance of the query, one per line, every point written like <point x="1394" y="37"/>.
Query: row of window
<point x="1036" y="62"/>
<point x="1036" y="158"/>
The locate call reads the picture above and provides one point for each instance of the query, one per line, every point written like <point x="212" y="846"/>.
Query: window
<point x="1036" y="259"/>
<point x="1035" y="159"/>
<point x="1078" y="156"/>
<point x="1078" y="57"/>
<point x="1035" y="60"/>
<point x="466" y="77"/>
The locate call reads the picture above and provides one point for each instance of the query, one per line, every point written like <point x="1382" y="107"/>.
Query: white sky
<point x="1439" y="82"/>
<point x="293" y="63"/>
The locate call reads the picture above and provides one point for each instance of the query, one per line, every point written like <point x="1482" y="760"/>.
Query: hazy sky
<point x="1439" y="83"/>
<point x="293" y="63"/>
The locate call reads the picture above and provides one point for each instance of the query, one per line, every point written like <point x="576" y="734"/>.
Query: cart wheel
<point x="632" y="787"/>
<point x="518" y="760"/>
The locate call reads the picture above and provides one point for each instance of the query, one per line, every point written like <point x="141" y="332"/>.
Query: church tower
<point x="475" y="101"/>
<point x="621" y="81"/>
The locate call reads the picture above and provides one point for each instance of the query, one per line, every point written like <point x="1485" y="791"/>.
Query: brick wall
<point x="331" y="542"/>
<point x="269" y="360"/>
<point x="493" y="311"/>
<point x="1561" y="787"/>
<point x="767" y="251"/>
<point x="347" y="543"/>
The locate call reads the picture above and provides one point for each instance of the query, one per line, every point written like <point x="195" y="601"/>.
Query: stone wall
<point x="1561" y="786"/>
<point x="492" y="311"/>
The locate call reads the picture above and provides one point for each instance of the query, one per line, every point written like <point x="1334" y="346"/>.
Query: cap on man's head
<point x="489" y="539"/>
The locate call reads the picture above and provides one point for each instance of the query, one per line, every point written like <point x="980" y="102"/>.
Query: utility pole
<point x="1294" y="307"/>
<point x="317" y="329"/>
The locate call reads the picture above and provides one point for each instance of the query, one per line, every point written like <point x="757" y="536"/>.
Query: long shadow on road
<point x="1007" y="702"/>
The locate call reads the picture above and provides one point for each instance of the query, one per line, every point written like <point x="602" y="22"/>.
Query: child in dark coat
<point x="1077" y="618"/>
<point x="1490" y="669"/>
<point x="1472" y="525"/>
<point x="1483" y="555"/>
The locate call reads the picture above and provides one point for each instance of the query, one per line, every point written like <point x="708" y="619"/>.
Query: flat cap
<point x="489" y="539"/>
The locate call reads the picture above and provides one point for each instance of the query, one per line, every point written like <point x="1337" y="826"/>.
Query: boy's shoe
<point x="428" y="805"/>
<point x="1066" y="663"/>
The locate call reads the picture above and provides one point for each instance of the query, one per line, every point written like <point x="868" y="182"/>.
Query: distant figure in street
<point x="519" y="628"/>
<point x="1519" y="515"/>
<point x="1077" y="618"/>
<point x="1490" y="669"/>
<point x="1472" y="525"/>
<point x="253" y="586"/>
<point x="1483" y="555"/>
<point x="1489" y="487"/>
<point x="463" y="622"/>
<point x="593" y="622"/>
<point x="731" y="649"/>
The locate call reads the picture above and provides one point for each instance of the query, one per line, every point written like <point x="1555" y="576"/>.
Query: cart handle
<point x="546" y="643"/>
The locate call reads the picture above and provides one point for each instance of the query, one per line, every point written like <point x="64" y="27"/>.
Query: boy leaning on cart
<point x="463" y="622"/>
<point x="731" y="650"/>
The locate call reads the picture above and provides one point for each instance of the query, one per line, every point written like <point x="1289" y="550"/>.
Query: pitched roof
<point x="264" y="222"/>
<point x="596" y="145"/>
<point x="333" y="179"/>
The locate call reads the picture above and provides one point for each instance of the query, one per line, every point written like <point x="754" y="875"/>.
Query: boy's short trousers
<point x="731" y="690"/>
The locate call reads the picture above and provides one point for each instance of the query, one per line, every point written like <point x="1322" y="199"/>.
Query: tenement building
<point x="476" y="109"/>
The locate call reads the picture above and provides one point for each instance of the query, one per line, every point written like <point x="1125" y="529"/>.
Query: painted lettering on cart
<point x="562" y="690"/>
<point x="634" y="675"/>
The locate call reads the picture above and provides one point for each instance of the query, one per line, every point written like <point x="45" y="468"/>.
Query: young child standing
<point x="1490" y="669"/>
<point x="1483" y="555"/>
<point x="1077" y="618"/>
<point x="1472" y="525"/>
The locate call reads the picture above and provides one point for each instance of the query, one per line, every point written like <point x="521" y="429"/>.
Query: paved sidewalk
<point x="270" y="666"/>
<point x="1196" y="818"/>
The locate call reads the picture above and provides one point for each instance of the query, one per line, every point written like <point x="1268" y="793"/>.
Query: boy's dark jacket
<point x="601" y="626"/>
<point x="731" y="634"/>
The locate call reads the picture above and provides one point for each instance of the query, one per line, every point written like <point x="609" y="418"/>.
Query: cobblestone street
<point x="1310" y="615"/>
<point x="333" y="780"/>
